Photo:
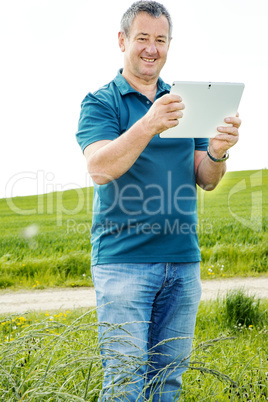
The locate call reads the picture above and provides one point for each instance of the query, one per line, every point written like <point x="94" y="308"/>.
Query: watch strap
<point x="223" y="159"/>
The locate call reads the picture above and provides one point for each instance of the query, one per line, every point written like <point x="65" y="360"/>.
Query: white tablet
<point x="207" y="104"/>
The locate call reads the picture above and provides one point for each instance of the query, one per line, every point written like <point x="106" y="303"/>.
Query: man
<point x="145" y="253"/>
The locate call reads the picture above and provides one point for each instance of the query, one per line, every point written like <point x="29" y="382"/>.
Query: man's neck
<point x="147" y="88"/>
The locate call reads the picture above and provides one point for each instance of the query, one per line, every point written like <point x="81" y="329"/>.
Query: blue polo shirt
<point x="149" y="214"/>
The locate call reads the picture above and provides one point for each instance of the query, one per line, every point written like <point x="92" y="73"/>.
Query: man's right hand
<point x="163" y="114"/>
<point x="108" y="160"/>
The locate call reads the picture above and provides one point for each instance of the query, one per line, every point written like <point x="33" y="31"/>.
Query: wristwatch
<point x="223" y="159"/>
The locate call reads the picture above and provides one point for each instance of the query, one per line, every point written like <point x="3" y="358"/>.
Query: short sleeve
<point x="201" y="144"/>
<point x="98" y="121"/>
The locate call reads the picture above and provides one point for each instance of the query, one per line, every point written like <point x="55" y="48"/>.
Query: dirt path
<point x="64" y="299"/>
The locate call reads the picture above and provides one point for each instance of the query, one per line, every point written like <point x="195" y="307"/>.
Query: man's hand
<point x="163" y="114"/>
<point x="108" y="160"/>
<point x="227" y="139"/>
<point x="208" y="172"/>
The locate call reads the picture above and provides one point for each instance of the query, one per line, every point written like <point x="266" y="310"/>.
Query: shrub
<point x="241" y="309"/>
<point x="6" y="282"/>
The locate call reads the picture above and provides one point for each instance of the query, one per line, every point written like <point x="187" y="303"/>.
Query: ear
<point x="169" y="42"/>
<point x="121" y="41"/>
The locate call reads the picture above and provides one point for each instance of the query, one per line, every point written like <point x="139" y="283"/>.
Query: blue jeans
<point x="146" y="315"/>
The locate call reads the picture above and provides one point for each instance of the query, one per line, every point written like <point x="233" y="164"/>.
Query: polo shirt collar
<point x="125" y="88"/>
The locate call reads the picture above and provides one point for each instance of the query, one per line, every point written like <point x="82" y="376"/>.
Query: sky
<point x="54" y="52"/>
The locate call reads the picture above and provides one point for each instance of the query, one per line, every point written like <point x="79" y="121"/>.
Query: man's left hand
<point x="227" y="138"/>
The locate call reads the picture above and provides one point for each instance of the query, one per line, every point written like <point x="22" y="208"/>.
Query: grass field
<point x="45" y="240"/>
<point x="54" y="356"/>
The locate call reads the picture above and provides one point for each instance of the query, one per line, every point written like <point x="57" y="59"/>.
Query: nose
<point x="151" y="48"/>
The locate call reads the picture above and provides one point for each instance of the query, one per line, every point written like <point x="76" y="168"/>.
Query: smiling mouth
<point x="148" y="60"/>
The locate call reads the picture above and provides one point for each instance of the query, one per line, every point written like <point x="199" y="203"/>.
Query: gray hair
<point x="152" y="8"/>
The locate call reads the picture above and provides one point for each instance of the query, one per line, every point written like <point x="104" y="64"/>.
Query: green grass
<point x="45" y="240"/>
<point x="54" y="356"/>
<point x="233" y="221"/>
<point x="243" y="357"/>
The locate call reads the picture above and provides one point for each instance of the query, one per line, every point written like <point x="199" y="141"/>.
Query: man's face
<point x="146" y="47"/>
